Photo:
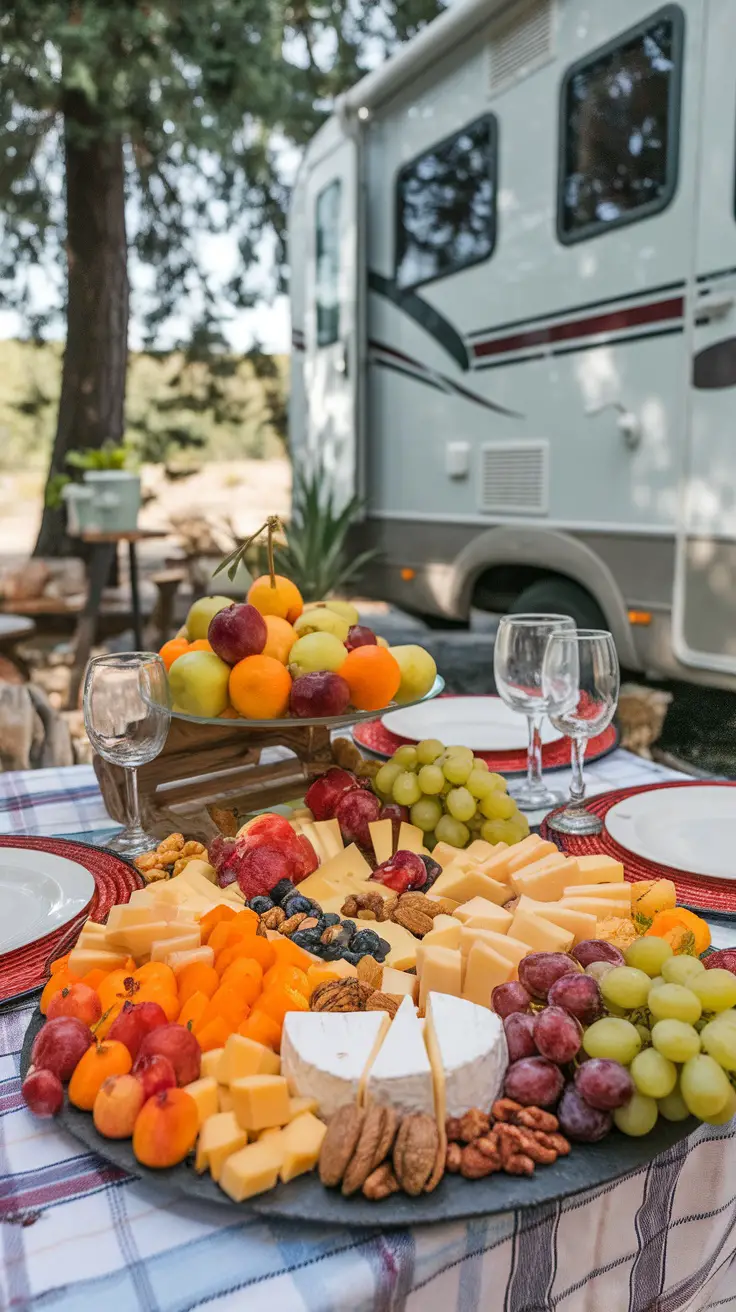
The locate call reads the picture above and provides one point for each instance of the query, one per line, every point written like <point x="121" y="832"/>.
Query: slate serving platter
<point x="455" y="1199"/>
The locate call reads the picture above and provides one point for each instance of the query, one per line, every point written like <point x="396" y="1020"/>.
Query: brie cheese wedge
<point x="401" y="1075"/>
<point x="466" y="1045"/>
<point x="326" y="1054"/>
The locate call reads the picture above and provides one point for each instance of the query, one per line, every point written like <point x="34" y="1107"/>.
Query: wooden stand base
<point x="204" y="765"/>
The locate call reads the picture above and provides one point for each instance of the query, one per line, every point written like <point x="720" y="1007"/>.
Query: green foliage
<point x="316" y="556"/>
<point x="108" y="456"/>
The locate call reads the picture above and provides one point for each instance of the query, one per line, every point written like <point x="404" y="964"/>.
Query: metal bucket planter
<point x="116" y="495"/>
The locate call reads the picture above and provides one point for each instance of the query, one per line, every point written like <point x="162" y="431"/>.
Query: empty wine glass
<point x="521" y="642"/>
<point x="127" y="715"/>
<point x="580" y="678"/>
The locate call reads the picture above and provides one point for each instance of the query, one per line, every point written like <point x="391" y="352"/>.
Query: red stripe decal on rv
<point x="656" y="312"/>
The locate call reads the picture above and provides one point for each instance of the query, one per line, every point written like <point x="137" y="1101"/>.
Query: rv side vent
<point x="519" y="43"/>
<point x="514" y="478"/>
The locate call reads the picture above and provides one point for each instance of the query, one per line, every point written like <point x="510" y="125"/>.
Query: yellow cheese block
<point x="242" y="1056"/>
<point x="382" y="838"/>
<point x="299" y="1105"/>
<point x="442" y="972"/>
<point x="124" y="915"/>
<point x="444" y="854"/>
<point x="466" y="884"/>
<point x="483" y="971"/>
<point x="451" y="903"/>
<point x="581" y="925"/>
<point x="510" y="948"/>
<point x="541" y="935"/>
<point x="254" y="1169"/>
<point x="445" y="933"/>
<point x="308" y="829"/>
<point x="479" y="850"/>
<point x="496" y="866"/>
<point x="545" y="883"/>
<point x="138" y="940"/>
<point x="84" y="959"/>
<point x="600" y="869"/>
<point x="210" y="1063"/>
<point x="399" y="982"/>
<point x="219" y="1137"/>
<point x="530" y="850"/>
<point x="411" y="838"/>
<point x="613" y="892"/>
<point x="91" y="929"/>
<point x="204" y="1093"/>
<point x="403" y="953"/>
<point x="179" y="960"/>
<point x="199" y="883"/>
<point x="302" y="1140"/>
<point x="483" y="914"/>
<point x="164" y="948"/>
<point x="348" y="864"/>
<point x="600" y="907"/>
<point x="225" y="1098"/>
<point x="197" y="870"/>
<point x="260" y="1101"/>
<point x="330" y="837"/>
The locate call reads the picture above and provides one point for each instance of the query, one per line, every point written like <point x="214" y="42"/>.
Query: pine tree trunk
<point x="92" y="402"/>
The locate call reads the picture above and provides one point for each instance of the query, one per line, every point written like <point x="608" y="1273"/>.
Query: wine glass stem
<point x="577" y="784"/>
<point x="134" y="809"/>
<point x="534" y="754"/>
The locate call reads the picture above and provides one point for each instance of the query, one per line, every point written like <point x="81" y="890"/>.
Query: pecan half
<point x="290" y="926"/>
<point x="383" y="1002"/>
<point x="339" y="1143"/>
<point x="556" y="1141"/>
<point x="381" y="1183"/>
<point x="341" y="995"/>
<point x="415" y="1151"/>
<point x="274" y="918"/>
<point x="366" y="1157"/>
<point x="464" y="1129"/>
<point x="370" y="970"/>
<point x="505" y="1109"/>
<point x="488" y="1145"/>
<point x="535" y="1118"/>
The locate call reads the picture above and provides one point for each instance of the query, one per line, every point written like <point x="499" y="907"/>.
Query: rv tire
<point x="560" y="597"/>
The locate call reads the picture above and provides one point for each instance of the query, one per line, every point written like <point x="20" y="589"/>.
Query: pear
<point x="200" y="614"/>
<point x="418" y="671"/>
<point x="321" y="619"/>
<point x="199" y="684"/>
<point x="315" y="652"/>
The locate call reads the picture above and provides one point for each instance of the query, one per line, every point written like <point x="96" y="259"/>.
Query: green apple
<point x="418" y="671"/>
<point x="314" y="652"/>
<point x="322" y="620"/>
<point x="199" y="681"/>
<point x="200" y="614"/>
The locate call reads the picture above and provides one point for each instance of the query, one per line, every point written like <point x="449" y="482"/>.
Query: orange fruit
<point x="229" y="713"/>
<point x="281" y="598"/>
<point x="260" y="687"/>
<point x="373" y="677"/>
<point x="280" y="640"/>
<point x="170" y="650"/>
<point x="201" y="644"/>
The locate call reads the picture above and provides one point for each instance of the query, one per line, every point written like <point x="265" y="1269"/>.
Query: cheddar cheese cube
<point x="260" y="1101"/>
<point x="219" y="1137"/>
<point x="301" y="1142"/>
<point x="242" y="1056"/>
<point x="253" y="1169"/>
<point x="204" y="1093"/>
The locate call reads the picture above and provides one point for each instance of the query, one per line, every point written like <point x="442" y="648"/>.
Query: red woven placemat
<point x="698" y="891"/>
<point x="25" y="968"/>
<point x="374" y="735"/>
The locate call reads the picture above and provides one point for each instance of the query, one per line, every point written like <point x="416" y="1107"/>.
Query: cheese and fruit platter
<point x="339" y="1014"/>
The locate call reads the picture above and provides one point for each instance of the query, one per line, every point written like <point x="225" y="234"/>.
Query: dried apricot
<point x="262" y="1029"/>
<point x="277" y="1001"/>
<point x="215" y="917"/>
<point x="197" y="978"/>
<point x="214" y="1034"/>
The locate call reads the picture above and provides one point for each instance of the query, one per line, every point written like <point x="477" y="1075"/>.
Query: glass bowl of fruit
<point x="272" y="659"/>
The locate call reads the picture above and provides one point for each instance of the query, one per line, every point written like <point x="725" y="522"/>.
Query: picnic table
<point x="79" y="1236"/>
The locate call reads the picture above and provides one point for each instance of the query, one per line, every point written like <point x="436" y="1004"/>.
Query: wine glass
<point x="521" y="642"/>
<point x="127" y="713"/>
<point x="580" y="679"/>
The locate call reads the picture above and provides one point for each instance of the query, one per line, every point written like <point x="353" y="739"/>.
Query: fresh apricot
<point x="115" y="989"/>
<point x="169" y="1002"/>
<point x="200" y="644"/>
<point x="63" y="979"/>
<point x="197" y="978"/>
<point x="171" y="649"/>
<point x="373" y="677"/>
<point x="262" y="1029"/>
<point x="259" y="688"/>
<point x="98" y="1062"/>
<point x="76" y="1000"/>
<point x="94" y="978"/>
<point x="276" y="596"/>
<point x="213" y="918"/>
<point x="664" y="922"/>
<point x="116" y="1107"/>
<point x="280" y="640"/>
<point x="166" y="1129"/>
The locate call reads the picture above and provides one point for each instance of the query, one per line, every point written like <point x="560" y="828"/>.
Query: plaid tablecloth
<point x="77" y="1235"/>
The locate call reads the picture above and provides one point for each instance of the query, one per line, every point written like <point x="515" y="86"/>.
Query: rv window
<point x="327" y="224"/>
<point x="619" y="129"/>
<point x="446" y="206"/>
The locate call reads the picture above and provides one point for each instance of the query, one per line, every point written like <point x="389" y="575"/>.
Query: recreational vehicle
<point x="513" y="251"/>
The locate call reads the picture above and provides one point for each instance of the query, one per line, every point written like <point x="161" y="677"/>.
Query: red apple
<point x="319" y="694"/>
<point x="236" y="632"/>
<point x="360" y="636"/>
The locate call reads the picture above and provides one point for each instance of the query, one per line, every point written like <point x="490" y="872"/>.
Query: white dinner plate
<point x="690" y="828"/>
<point x="39" y="892"/>
<point x="485" y="724"/>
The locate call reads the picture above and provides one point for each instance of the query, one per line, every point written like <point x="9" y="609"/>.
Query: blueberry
<point x="366" y="940"/>
<point x="293" y="905"/>
<point x="383" y="947"/>
<point x="284" y="889"/>
<point x="315" y="908"/>
<point x="331" y="951"/>
<point x="349" y="925"/>
<point x="306" y="938"/>
<point x="331" y="918"/>
<point x="433" y="869"/>
<point x="353" y="957"/>
<point x="260" y="905"/>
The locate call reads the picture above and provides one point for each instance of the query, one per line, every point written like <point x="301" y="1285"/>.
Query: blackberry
<point x="331" y="918"/>
<point x="293" y="905"/>
<point x="433" y="869"/>
<point x="284" y="889"/>
<point x="260" y="905"/>
<point x="366" y="941"/>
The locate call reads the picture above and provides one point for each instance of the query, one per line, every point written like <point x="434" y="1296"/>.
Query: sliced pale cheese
<point x="541" y="935"/>
<point x="600" y="907"/>
<point x="403" y="952"/>
<point x="91" y="928"/>
<point x="546" y="884"/>
<point x="445" y="933"/>
<point x="444" y="854"/>
<point x="480" y="850"/>
<point x="581" y="925"/>
<point x="467" y="1049"/>
<point x="219" y="1137"/>
<point x="297" y="1106"/>
<point x="199" y="870"/>
<point x="348" y="864"/>
<point x="613" y="892"/>
<point x="200" y="885"/>
<point x="120" y="917"/>
<point x="204" y="1093"/>
<point x="162" y="949"/>
<point x="442" y="972"/>
<point x="243" y="1056"/>
<point x="225" y="1098"/>
<point x="179" y="960"/>
<point x="254" y="1169"/>
<point x="483" y="914"/>
<point x="301" y="1142"/>
<point x="510" y="948"/>
<point x="309" y="831"/>
<point x="399" y="982"/>
<point x="496" y="866"/>
<point x="330" y="837"/>
<point x="466" y="884"/>
<point x="324" y="1054"/>
<point x="484" y="970"/>
<point x="382" y="838"/>
<point x="450" y="903"/>
<point x="82" y="960"/>
<point x="530" y="850"/>
<point x="401" y="1075"/>
<point x="411" y="838"/>
<point x="597" y="869"/>
<point x="316" y="886"/>
<point x="211" y="1061"/>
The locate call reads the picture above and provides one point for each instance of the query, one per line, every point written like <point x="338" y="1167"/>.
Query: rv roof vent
<point x="519" y="43"/>
<point x="514" y="478"/>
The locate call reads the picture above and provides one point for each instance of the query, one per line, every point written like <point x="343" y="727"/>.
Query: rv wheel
<point x="560" y="597"/>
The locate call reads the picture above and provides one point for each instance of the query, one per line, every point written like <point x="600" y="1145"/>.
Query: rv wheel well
<point x="498" y="586"/>
<point x="526" y="588"/>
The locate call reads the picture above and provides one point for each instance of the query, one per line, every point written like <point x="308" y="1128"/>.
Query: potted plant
<point x="108" y="498"/>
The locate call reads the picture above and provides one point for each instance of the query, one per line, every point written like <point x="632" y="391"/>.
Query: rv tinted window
<point x="446" y="206"/>
<point x="328" y="264"/>
<point x="620" y="111"/>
